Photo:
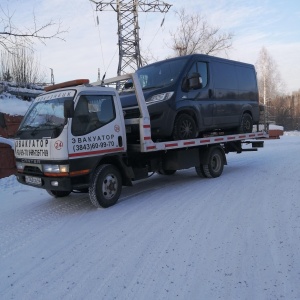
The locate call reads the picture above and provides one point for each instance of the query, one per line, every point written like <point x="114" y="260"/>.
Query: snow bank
<point x="13" y="106"/>
<point x="275" y="127"/>
<point x="292" y="133"/>
<point x="9" y="142"/>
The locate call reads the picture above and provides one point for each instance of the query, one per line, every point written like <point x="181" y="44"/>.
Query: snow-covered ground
<point x="169" y="237"/>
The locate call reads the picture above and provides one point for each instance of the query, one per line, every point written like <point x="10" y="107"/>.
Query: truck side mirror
<point x="194" y="81"/>
<point x="69" y="108"/>
<point x="2" y="120"/>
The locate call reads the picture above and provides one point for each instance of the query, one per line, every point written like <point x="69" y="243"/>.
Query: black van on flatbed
<point x="191" y="95"/>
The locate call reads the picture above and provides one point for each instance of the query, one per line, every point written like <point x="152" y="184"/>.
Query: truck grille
<point x="31" y="170"/>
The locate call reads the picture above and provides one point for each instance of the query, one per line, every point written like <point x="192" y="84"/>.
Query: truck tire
<point x="166" y="172"/>
<point x="184" y="128"/>
<point x="58" y="194"/>
<point x="200" y="171"/>
<point x="106" y="186"/>
<point x="246" y="125"/>
<point x="215" y="165"/>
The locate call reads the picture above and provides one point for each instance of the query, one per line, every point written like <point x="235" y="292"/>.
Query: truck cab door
<point x="97" y="127"/>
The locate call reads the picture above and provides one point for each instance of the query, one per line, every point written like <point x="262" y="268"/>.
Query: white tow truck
<point x="73" y="138"/>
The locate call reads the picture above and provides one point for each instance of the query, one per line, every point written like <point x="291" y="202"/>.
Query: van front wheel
<point x="184" y="128"/>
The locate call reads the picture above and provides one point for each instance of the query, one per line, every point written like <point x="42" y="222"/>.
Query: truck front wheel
<point x="215" y="165"/>
<point x="106" y="186"/>
<point x="58" y="194"/>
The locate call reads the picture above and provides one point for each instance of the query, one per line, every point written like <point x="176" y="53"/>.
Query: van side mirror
<point x="194" y="81"/>
<point x="69" y="108"/>
<point x="128" y="85"/>
<point x="2" y="120"/>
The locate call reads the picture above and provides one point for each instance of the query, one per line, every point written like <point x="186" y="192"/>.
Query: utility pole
<point x="128" y="27"/>
<point x="52" y="76"/>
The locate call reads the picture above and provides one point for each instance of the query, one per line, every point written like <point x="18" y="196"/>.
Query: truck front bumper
<point x="48" y="183"/>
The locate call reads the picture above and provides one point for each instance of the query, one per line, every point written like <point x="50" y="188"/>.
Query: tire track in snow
<point x="20" y="227"/>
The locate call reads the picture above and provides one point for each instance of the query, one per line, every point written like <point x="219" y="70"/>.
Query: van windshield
<point x="160" y="74"/>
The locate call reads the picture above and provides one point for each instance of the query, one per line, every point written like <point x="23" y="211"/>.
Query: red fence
<point x="7" y="158"/>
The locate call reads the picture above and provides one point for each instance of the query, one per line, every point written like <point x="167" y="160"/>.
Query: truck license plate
<point x="33" y="180"/>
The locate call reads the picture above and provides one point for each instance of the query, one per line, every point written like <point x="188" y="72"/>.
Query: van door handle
<point x="210" y="93"/>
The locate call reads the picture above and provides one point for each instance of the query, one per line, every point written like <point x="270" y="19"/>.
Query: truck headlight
<point x="160" y="98"/>
<point x="55" y="170"/>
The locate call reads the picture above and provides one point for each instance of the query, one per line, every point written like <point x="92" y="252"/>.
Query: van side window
<point x="246" y="79"/>
<point x="91" y="113"/>
<point x="201" y="68"/>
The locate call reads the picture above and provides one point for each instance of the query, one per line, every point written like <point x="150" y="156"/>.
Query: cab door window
<point x="91" y="113"/>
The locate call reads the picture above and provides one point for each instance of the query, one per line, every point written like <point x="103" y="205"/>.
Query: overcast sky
<point x="274" y="24"/>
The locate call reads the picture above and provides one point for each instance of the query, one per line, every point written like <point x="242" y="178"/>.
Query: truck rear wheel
<point x="106" y="186"/>
<point x="215" y="165"/>
<point x="200" y="171"/>
<point x="58" y="194"/>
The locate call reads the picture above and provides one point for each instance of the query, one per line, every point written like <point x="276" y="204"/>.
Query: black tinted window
<point x="246" y="79"/>
<point x="201" y="68"/>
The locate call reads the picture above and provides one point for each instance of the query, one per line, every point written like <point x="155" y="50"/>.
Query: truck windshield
<point x="45" y="114"/>
<point x="160" y="74"/>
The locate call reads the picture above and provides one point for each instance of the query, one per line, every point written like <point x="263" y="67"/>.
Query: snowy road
<point x="169" y="237"/>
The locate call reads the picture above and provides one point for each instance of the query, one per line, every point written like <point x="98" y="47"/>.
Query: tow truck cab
<point x="65" y="132"/>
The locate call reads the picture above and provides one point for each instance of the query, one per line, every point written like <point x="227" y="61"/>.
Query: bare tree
<point x="269" y="78"/>
<point x="270" y="84"/>
<point x="195" y="35"/>
<point x="11" y="37"/>
<point x="21" y="66"/>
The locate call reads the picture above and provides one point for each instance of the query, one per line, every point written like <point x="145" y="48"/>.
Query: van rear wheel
<point x="184" y="128"/>
<point x="246" y="123"/>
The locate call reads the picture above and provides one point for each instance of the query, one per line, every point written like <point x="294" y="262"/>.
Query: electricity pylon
<point x="128" y="27"/>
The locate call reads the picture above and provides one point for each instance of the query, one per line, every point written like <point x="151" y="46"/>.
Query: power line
<point x="128" y="28"/>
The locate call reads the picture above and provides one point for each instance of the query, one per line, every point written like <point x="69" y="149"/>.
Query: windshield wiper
<point x="27" y="127"/>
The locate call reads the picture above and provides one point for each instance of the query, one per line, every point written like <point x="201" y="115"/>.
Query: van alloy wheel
<point x="184" y="128"/>
<point x="246" y="123"/>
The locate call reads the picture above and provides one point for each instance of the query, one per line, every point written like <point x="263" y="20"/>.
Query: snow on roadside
<point x="169" y="237"/>
<point x="12" y="105"/>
